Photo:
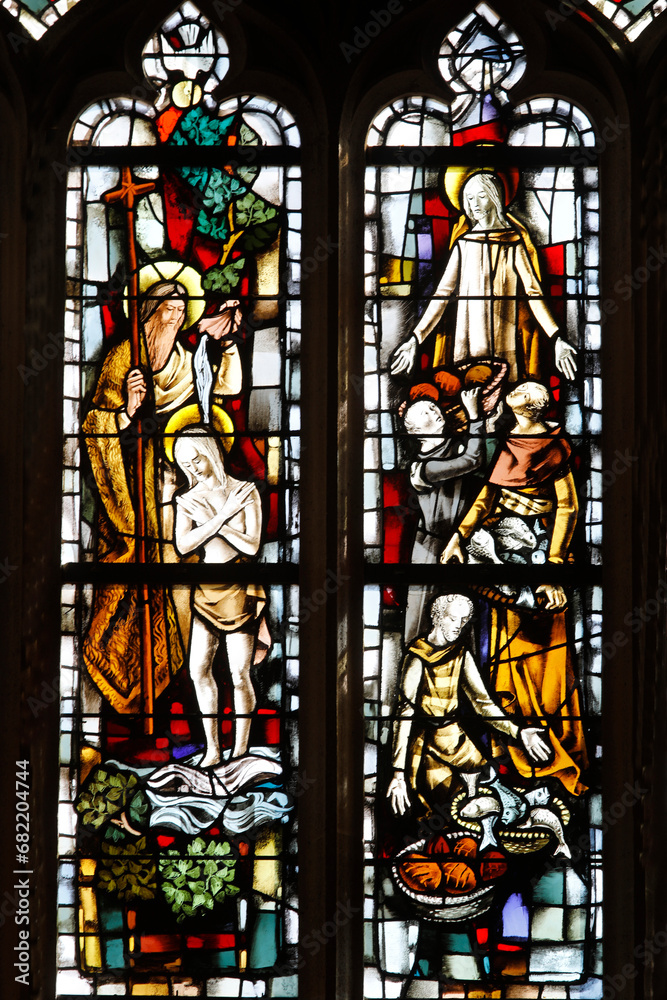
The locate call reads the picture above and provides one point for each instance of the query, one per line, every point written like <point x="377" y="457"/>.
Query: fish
<point x="512" y="533"/>
<point x="483" y="805"/>
<point x="487" y="810"/>
<point x="513" y="807"/>
<point x="471" y="779"/>
<point x="488" y="840"/>
<point x="538" y="796"/>
<point x="481" y="548"/>
<point x="539" y="816"/>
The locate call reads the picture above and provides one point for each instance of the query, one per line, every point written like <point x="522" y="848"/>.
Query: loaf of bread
<point x="492" y="865"/>
<point x="420" y="873"/>
<point x="466" y="847"/>
<point x="458" y="877"/>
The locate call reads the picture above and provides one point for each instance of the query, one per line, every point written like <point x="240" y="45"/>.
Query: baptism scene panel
<point x="180" y="536"/>
<point x="483" y="534"/>
<point x="179" y="879"/>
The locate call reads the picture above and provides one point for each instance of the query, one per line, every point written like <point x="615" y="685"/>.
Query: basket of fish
<point x="518" y="827"/>
<point x="447" y="878"/>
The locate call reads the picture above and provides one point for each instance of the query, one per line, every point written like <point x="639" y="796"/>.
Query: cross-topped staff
<point x="127" y="193"/>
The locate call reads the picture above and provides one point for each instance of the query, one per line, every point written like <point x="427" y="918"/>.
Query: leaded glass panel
<point x="483" y="531"/>
<point x="180" y="537"/>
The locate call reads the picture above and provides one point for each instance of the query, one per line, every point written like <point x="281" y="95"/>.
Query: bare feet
<point x="210" y="760"/>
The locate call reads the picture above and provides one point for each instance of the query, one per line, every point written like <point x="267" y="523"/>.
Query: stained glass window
<point x="179" y="675"/>
<point x="37" y="16"/>
<point x="632" y="16"/>
<point x="482" y="524"/>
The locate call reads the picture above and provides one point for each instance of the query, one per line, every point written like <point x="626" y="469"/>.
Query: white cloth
<point x="486" y="271"/>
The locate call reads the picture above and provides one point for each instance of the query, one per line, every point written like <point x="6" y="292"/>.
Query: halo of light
<point x="173" y="270"/>
<point x="455" y="179"/>
<point x="190" y="415"/>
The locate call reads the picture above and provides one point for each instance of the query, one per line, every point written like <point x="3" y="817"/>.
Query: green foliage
<point x="197" y="128"/>
<point x="109" y="793"/>
<point x="224" y="279"/>
<point x="197" y="882"/>
<point x="258" y="219"/>
<point x="128" y="872"/>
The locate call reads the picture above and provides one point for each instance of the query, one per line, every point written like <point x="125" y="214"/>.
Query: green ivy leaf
<point x="216" y="885"/>
<point x="224" y="279"/>
<point x="259" y="238"/>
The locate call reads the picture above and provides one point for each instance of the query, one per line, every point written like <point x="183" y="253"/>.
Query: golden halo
<point x="174" y="270"/>
<point x="187" y="416"/>
<point x="455" y="179"/>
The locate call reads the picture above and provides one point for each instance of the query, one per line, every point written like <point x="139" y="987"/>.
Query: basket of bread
<point x="447" y="877"/>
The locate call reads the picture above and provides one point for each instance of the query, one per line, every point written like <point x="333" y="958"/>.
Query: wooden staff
<point x="127" y="193"/>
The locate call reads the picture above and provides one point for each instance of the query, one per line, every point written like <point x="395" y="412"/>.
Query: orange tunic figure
<point x="533" y="675"/>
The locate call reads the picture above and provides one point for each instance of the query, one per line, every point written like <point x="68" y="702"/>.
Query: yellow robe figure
<point x="111" y="648"/>
<point x="530" y="659"/>
<point x="533" y="675"/>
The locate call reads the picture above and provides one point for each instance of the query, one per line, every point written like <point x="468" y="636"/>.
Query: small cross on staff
<point x="128" y="193"/>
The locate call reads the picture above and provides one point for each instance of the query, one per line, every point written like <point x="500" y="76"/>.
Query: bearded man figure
<point x="164" y="383"/>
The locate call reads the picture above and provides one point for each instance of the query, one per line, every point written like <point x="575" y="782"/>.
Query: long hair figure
<point x="221" y="518"/>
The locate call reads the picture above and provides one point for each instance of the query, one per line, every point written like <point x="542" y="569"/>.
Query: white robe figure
<point x="486" y="272"/>
<point x="493" y="275"/>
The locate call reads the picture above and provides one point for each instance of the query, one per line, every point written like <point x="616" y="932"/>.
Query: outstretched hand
<point x="556" y="598"/>
<point x="225" y="323"/>
<point x="536" y="746"/>
<point x="565" y="358"/>
<point x="453" y="551"/>
<point x="471" y="401"/>
<point x="403" y="360"/>
<point x="397" y="793"/>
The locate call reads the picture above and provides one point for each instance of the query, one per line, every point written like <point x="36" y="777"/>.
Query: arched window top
<point x="186" y="59"/>
<point x="633" y="16"/>
<point x="481" y="58"/>
<point x="37" y="16"/>
<point x="246" y="120"/>
<point x="545" y="121"/>
<point x="481" y="55"/>
<point x="188" y="52"/>
<point x="411" y="121"/>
